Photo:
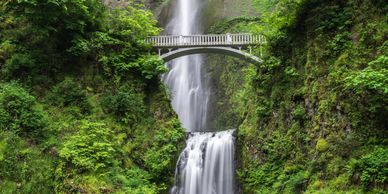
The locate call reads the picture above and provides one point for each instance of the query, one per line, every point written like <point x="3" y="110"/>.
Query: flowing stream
<point x="206" y="165"/>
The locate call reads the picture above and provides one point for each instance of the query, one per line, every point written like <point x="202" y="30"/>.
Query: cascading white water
<point x="206" y="166"/>
<point x="185" y="80"/>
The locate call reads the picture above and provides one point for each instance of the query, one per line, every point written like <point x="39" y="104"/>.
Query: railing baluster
<point x="193" y="40"/>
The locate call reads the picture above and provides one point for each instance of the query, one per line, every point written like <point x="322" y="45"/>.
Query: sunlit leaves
<point x="373" y="77"/>
<point x="90" y="148"/>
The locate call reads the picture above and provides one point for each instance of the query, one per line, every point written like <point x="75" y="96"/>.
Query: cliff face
<point x="312" y="118"/>
<point x="214" y="10"/>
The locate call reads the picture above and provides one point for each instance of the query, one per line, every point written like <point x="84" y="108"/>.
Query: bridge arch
<point x="216" y="50"/>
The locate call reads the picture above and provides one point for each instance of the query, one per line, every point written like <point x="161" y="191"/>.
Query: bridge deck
<point x="209" y="40"/>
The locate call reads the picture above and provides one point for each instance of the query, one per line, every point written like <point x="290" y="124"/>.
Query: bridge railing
<point x="206" y="40"/>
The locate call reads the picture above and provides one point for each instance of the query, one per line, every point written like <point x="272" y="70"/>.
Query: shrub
<point x="371" y="168"/>
<point x="136" y="181"/>
<point x="18" y="66"/>
<point x="299" y="112"/>
<point x="24" y="169"/>
<point x="69" y="93"/>
<point x="19" y="112"/>
<point x="373" y="77"/>
<point x="89" y="149"/>
<point x="126" y="104"/>
<point x="322" y="145"/>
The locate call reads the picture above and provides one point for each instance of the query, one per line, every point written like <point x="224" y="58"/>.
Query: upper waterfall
<point x="190" y="95"/>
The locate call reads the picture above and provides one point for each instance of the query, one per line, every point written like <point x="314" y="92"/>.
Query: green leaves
<point x="121" y="48"/>
<point x="127" y="105"/>
<point x="69" y="93"/>
<point x="151" y="66"/>
<point x="372" y="168"/>
<point x="56" y="47"/>
<point x="20" y="114"/>
<point x="373" y="77"/>
<point x="90" y="148"/>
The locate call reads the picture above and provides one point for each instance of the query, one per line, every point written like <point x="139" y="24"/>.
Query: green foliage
<point x="70" y="93"/>
<point x="20" y="113"/>
<point x="40" y="31"/>
<point x="84" y="63"/>
<point x="318" y="99"/>
<point x="164" y="145"/>
<point x="321" y="145"/>
<point x="127" y="105"/>
<point x="151" y="67"/>
<point x="299" y="112"/>
<point x="57" y="36"/>
<point x="137" y="181"/>
<point x="18" y="65"/>
<point x="24" y="168"/>
<point x="160" y="158"/>
<point x="373" y="77"/>
<point x="371" y="168"/>
<point x="120" y="47"/>
<point x="90" y="148"/>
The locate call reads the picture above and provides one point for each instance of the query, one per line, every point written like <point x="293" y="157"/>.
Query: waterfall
<point x="190" y="96"/>
<point x="206" y="165"/>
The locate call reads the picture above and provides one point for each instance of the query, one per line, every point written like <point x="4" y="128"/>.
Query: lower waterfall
<point x="206" y="165"/>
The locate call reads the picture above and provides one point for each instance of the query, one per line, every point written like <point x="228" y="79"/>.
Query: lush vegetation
<point x="313" y="117"/>
<point x="82" y="109"/>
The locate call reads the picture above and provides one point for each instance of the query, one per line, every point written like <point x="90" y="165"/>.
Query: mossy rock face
<point x="311" y="103"/>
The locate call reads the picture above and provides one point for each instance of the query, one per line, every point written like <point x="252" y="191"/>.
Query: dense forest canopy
<point x="83" y="110"/>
